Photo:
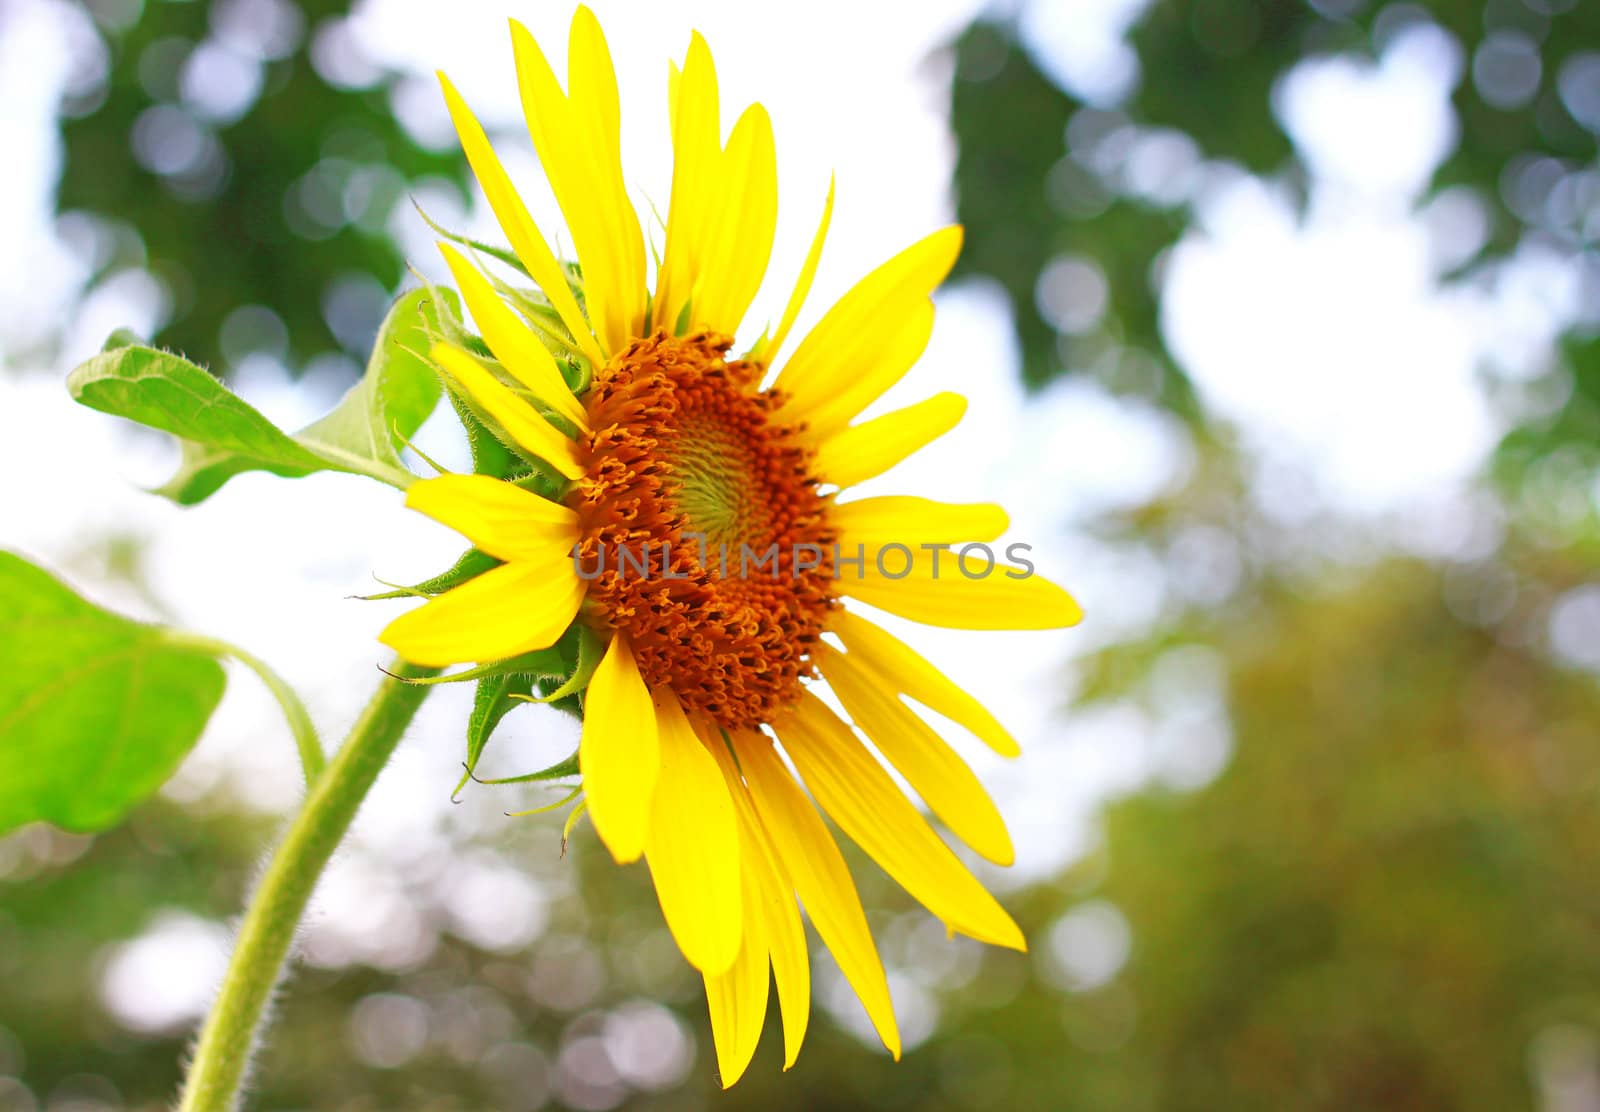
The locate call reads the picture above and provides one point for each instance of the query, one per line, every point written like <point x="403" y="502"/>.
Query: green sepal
<point x="543" y="318"/>
<point x="463" y="399"/>
<point x="501" y="253"/>
<point x="557" y="771"/>
<point x="591" y="647"/>
<point x="489" y="455"/>
<point x="566" y="827"/>
<point x="568" y="704"/>
<point x="541" y="662"/>
<point x="491" y="702"/>
<point x="532" y="304"/>
<point x="552" y="488"/>
<point x="471" y="563"/>
<point x="505" y="683"/>
<point x="756" y="352"/>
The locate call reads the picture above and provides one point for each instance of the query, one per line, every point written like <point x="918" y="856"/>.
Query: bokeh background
<point x="1280" y="323"/>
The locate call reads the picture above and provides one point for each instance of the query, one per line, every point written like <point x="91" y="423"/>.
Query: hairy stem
<point x="229" y="1035"/>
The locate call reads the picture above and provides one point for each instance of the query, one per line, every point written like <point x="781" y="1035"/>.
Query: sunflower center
<point x="703" y="534"/>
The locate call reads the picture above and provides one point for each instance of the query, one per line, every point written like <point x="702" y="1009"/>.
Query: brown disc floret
<point x="699" y="518"/>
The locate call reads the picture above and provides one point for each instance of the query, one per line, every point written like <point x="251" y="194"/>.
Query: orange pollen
<point x="699" y="522"/>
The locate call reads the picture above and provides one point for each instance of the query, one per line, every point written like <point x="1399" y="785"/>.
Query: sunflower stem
<point x="229" y="1036"/>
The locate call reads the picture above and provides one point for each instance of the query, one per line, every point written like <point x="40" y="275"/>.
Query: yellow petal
<point x="1008" y="597"/>
<point x="520" y="420"/>
<point x="797" y="299"/>
<point x="579" y="141"/>
<point x="737" y="997"/>
<point x="933" y="769"/>
<point x="786" y="943"/>
<point x="505" y="521"/>
<point x="696" y="162"/>
<point x="897" y="664"/>
<point x="828" y="360"/>
<point x="855" y="790"/>
<point x="878" y="358"/>
<point x="862" y="451"/>
<point x="597" y="125"/>
<point x="693" y="846"/>
<point x="901" y="519"/>
<point x="739" y="238"/>
<point x="513" y="342"/>
<point x="519" y="227"/>
<point x="619" y="752"/>
<point x="761" y="866"/>
<point x="508" y="610"/>
<point x="813" y="863"/>
<point x="593" y="82"/>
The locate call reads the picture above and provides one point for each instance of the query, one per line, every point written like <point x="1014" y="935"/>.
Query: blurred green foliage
<point x="1383" y="903"/>
<point x="1041" y="174"/>
<point x="67" y="898"/>
<point x="256" y="158"/>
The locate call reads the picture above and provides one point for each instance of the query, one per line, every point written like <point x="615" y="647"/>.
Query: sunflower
<point x="667" y="443"/>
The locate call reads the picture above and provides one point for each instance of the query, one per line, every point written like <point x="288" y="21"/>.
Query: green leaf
<point x="168" y="392"/>
<point x="122" y="337"/>
<point x="398" y="392"/>
<point x="223" y="435"/>
<point x="96" y="710"/>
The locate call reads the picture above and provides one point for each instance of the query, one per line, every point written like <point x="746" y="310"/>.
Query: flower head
<point x="695" y="521"/>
